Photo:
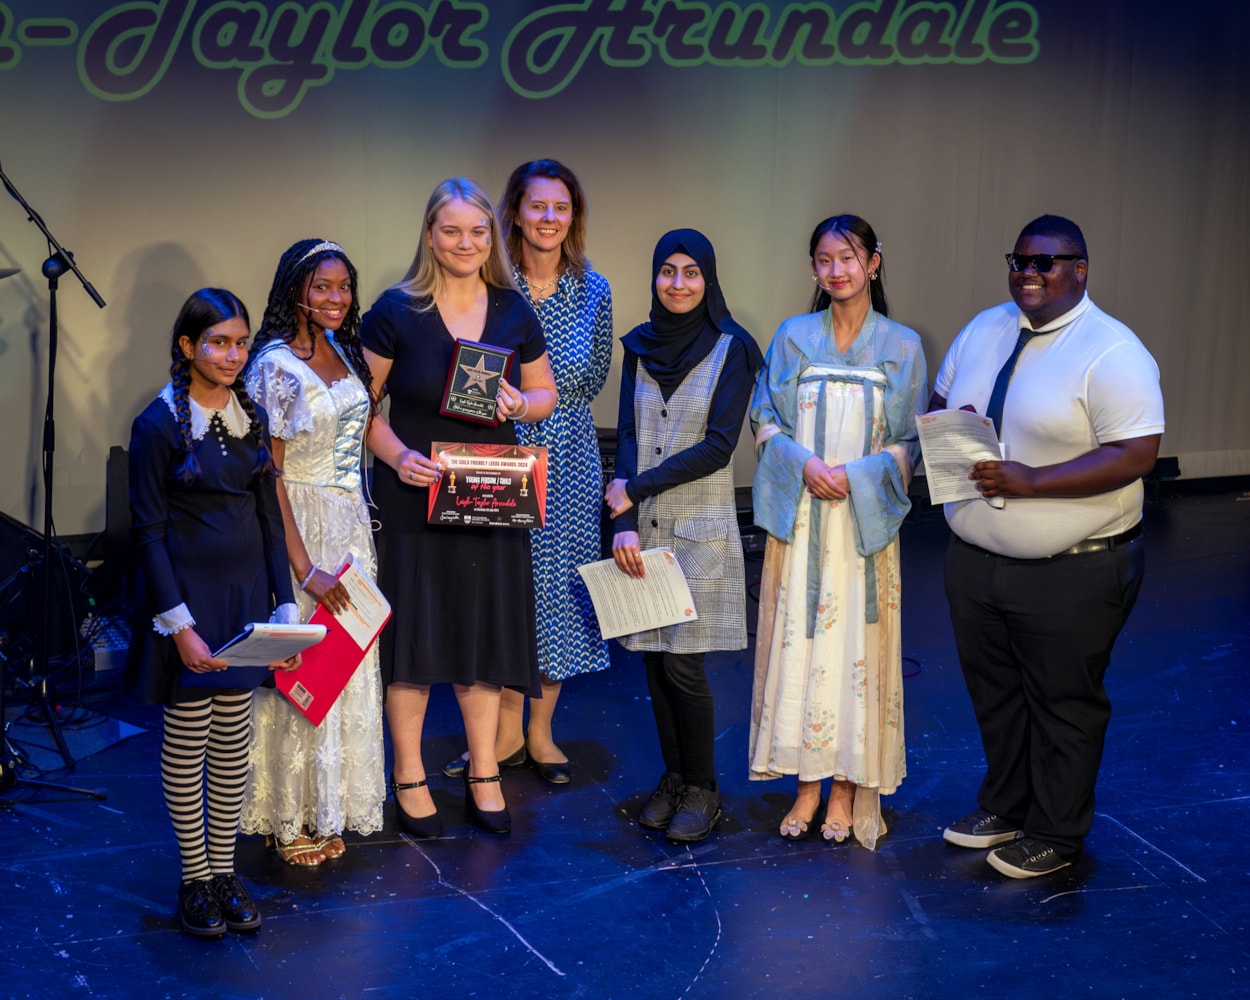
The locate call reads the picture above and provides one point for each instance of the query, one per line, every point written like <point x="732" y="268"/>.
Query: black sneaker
<point x="237" y="909"/>
<point x="1028" y="857"/>
<point x="198" y="909"/>
<point x="697" y="814"/>
<point x="659" y="809"/>
<point x="980" y="829"/>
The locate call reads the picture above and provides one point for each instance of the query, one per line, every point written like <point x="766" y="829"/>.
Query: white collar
<point x="1059" y="322"/>
<point x="232" y="415"/>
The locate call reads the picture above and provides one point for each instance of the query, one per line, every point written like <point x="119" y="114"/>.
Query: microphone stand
<point x="58" y="263"/>
<point x="11" y="760"/>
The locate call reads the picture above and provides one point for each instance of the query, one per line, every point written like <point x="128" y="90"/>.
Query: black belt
<point x="1108" y="544"/>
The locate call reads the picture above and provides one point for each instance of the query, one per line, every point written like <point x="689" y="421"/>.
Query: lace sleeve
<point x="280" y="391"/>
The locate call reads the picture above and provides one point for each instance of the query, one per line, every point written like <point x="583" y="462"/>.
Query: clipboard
<point x="251" y="651"/>
<point x="315" y="686"/>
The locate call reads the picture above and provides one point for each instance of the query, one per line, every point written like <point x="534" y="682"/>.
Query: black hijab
<point x="673" y="343"/>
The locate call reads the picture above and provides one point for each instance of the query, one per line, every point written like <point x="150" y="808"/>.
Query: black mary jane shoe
<point x="422" y="827"/>
<point x="456" y="767"/>
<point x="198" y="909"/>
<point x="558" y="774"/>
<point x="237" y="908"/>
<point x="492" y="821"/>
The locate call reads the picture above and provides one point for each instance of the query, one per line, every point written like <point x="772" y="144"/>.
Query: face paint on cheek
<point x="206" y="349"/>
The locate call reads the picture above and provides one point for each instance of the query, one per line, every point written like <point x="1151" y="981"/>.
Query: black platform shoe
<point x="235" y="902"/>
<point x="198" y="909"/>
<point x="422" y="827"/>
<point x="498" y="821"/>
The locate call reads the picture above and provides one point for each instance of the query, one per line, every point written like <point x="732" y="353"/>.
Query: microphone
<point x="309" y="308"/>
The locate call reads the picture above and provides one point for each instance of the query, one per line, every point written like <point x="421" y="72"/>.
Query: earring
<point x="814" y="278"/>
<point x="872" y="275"/>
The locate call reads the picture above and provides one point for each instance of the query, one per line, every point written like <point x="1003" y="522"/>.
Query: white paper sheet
<point x="626" y="604"/>
<point x="368" y="609"/>
<point x="952" y="441"/>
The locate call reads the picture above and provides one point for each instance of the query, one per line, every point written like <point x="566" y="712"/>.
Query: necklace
<point x="540" y="292"/>
<point x="303" y="357"/>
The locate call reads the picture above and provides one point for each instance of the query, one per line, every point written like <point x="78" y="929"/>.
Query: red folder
<point x="329" y="665"/>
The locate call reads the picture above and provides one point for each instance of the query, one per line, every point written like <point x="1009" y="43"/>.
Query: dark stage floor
<point x="579" y="902"/>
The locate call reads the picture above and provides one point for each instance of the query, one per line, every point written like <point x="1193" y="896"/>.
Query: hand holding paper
<point x="625" y="604"/>
<point x="952" y="442"/>
<point x="327" y="668"/>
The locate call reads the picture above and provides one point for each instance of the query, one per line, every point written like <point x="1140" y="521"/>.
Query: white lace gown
<point x="328" y="778"/>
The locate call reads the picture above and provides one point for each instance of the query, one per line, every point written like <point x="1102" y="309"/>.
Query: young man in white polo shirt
<point x="1040" y="585"/>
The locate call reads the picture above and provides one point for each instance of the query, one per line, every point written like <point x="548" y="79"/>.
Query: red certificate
<point x="489" y="485"/>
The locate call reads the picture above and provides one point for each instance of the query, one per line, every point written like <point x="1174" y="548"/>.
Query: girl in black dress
<point x="208" y="533"/>
<point x="463" y="596"/>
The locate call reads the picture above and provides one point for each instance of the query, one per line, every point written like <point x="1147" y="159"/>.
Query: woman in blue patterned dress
<point x="543" y="218"/>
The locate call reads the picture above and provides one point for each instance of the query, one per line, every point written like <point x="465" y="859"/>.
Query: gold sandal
<point x="331" y="846"/>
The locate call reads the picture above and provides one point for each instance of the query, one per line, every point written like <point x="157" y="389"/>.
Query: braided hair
<point x="202" y="310"/>
<point x="861" y="236"/>
<point x="281" y="320"/>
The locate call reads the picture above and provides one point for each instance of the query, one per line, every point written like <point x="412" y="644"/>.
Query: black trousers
<point x="685" y="718"/>
<point x="1034" y="639"/>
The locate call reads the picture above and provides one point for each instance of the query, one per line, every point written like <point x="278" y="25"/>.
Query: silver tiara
<point x="321" y="248"/>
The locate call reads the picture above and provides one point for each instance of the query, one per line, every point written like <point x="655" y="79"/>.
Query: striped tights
<point x="217" y="728"/>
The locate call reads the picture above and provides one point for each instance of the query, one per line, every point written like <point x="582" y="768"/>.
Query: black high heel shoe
<point x="497" y="821"/>
<point x="423" y="827"/>
<point x="456" y="767"/>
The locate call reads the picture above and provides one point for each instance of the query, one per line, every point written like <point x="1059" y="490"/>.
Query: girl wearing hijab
<point x="685" y="386"/>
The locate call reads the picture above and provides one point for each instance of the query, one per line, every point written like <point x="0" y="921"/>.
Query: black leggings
<point x="684" y="715"/>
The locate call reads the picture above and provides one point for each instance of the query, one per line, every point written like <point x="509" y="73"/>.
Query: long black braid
<point x="281" y="319"/>
<point x="202" y="310"/>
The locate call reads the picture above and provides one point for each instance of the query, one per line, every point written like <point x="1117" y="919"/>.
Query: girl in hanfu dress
<point x="834" y="418"/>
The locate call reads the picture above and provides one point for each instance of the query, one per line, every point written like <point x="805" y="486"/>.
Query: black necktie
<point x="995" y="411"/>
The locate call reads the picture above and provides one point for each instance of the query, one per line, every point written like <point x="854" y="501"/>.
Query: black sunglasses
<point x="1040" y="262"/>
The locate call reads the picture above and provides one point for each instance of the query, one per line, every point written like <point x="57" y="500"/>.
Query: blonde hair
<point x="423" y="281"/>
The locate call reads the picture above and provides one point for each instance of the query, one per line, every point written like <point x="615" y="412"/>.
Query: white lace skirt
<point x="328" y="778"/>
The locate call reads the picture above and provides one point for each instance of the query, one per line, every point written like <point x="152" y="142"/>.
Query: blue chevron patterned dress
<point x="577" y="322"/>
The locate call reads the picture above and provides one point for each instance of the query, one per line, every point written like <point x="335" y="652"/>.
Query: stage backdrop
<point x="180" y="143"/>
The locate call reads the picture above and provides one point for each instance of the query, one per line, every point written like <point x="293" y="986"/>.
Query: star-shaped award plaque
<point x="473" y="381"/>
